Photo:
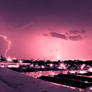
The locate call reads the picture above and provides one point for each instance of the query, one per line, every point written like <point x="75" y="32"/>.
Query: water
<point x="42" y="73"/>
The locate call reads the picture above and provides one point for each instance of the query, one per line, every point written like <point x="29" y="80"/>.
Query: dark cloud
<point x="76" y="38"/>
<point x="57" y="35"/>
<point x="77" y="31"/>
<point x="76" y="35"/>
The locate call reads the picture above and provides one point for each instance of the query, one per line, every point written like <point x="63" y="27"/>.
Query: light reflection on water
<point x="42" y="73"/>
<point x="50" y="73"/>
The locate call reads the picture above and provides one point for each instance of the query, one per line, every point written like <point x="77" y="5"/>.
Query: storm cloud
<point x="77" y="35"/>
<point x="77" y="31"/>
<point x="76" y="38"/>
<point x="74" y="35"/>
<point x="58" y="35"/>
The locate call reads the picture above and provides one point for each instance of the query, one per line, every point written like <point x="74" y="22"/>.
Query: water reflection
<point x="41" y="73"/>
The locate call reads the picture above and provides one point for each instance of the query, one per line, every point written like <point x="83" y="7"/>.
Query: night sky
<point x="47" y="29"/>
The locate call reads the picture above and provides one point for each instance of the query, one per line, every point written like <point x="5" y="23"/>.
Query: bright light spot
<point x="31" y="65"/>
<point x="13" y="66"/>
<point x="9" y="59"/>
<point x="20" y="61"/>
<point x="72" y="71"/>
<point x="86" y="81"/>
<point x="82" y="66"/>
<point x="42" y="66"/>
<point x="82" y="72"/>
<point x="51" y="65"/>
<point x="90" y="88"/>
<point x="90" y="69"/>
<point x="62" y="66"/>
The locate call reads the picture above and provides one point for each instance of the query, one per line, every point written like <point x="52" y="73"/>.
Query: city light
<point x="9" y="59"/>
<point x="82" y="71"/>
<point x="51" y="65"/>
<point x="90" y="69"/>
<point x="62" y="66"/>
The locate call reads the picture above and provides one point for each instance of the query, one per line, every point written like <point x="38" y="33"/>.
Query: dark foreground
<point x="11" y="81"/>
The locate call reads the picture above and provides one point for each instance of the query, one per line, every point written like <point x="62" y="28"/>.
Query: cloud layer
<point x="74" y="35"/>
<point x="62" y="36"/>
<point x="77" y="31"/>
<point x="75" y="38"/>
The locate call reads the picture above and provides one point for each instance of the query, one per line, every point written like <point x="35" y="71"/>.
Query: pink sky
<point x="45" y="30"/>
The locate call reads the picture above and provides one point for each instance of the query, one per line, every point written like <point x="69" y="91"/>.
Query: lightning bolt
<point x="8" y="41"/>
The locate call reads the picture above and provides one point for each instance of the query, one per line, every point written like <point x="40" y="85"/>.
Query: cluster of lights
<point x="62" y="66"/>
